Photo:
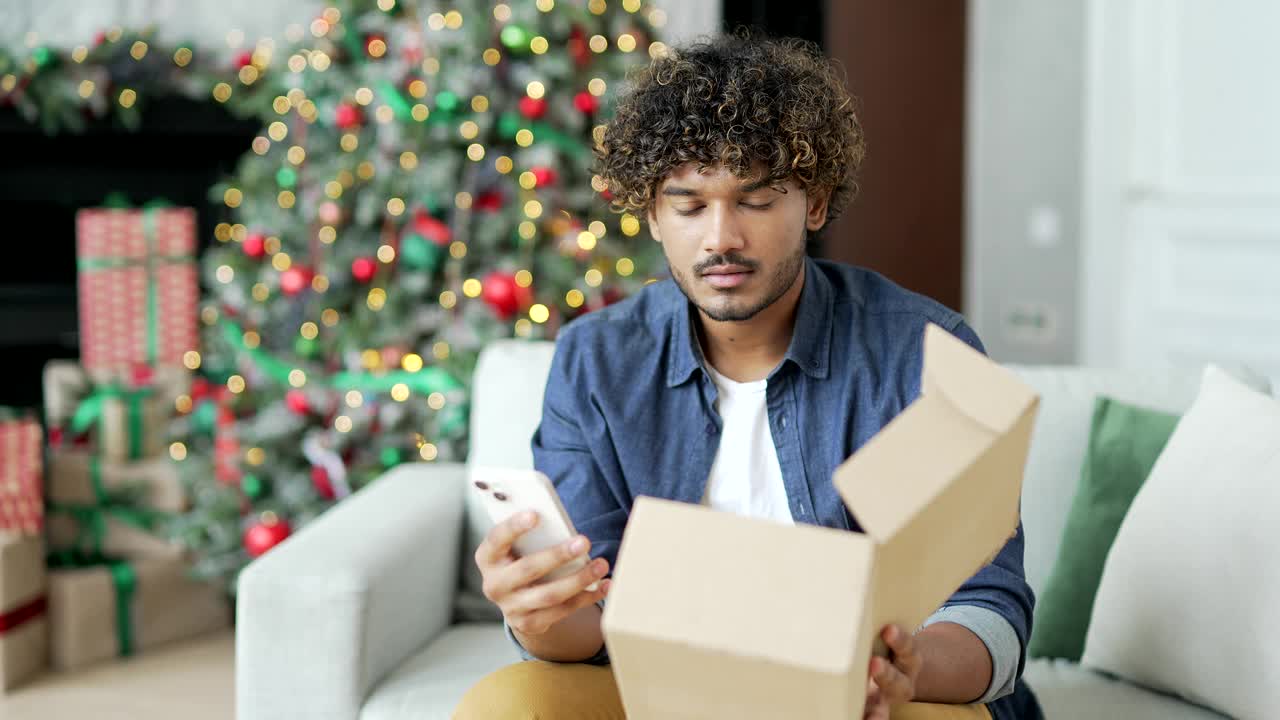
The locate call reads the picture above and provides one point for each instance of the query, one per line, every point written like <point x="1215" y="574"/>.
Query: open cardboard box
<point x="713" y="615"/>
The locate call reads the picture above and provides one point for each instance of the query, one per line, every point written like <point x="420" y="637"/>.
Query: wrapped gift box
<point x="121" y="609"/>
<point x="112" y="530"/>
<point x="21" y="472"/>
<point x="125" y="412"/>
<point x="23" y="618"/>
<point x="137" y="286"/>
<point x="78" y="477"/>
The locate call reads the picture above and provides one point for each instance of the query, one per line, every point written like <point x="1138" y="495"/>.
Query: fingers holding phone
<point x="536" y="568"/>
<point x="520" y="586"/>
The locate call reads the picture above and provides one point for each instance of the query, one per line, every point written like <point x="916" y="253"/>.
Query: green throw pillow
<point x="1124" y="442"/>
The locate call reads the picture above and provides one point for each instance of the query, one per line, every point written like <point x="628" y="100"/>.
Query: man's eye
<point x="762" y="206"/>
<point x="689" y="211"/>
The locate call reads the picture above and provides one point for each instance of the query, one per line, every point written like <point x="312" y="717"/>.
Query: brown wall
<point x="906" y="65"/>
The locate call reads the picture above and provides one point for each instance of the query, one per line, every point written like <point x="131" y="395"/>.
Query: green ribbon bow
<point x="123" y="578"/>
<point x="92" y="522"/>
<point x="89" y="411"/>
<point x="151" y="262"/>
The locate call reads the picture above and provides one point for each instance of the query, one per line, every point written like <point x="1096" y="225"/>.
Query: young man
<point x="742" y="383"/>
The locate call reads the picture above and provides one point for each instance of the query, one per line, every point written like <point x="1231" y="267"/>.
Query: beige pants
<point x="538" y="690"/>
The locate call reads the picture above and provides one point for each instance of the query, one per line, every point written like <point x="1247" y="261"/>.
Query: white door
<point x="1181" y="196"/>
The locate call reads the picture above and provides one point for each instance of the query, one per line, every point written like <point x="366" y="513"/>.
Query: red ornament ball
<point x="363" y="269"/>
<point x="532" y="108"/>
<point x="578" y="48"/>
<point x="488" y="201"/>
<point x="347" y="116"/>
<point x="321" y="482"/>
<point x="544" y="176"/>
<point x="265" y="534"/>
<point x="504" y="296"/>
<point x="294" y="280"/>
<point x="297" y="402"/>
<point x="432" y="229"/>
<point x="586" y="103"/>
<point x="255" y="245"/>
<point x="244" y="59"/>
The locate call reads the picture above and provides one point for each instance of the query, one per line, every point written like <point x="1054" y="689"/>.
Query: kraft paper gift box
<point x="136" y="285"/>
<point x="21" y="474"/>
<point x="713" y="615"/>
<point x="109" y="530"/>
<point x="78" y="477"/>
<point x="24" y="629"/>
<point x="121" y="609"/>
<point x="127" y="415"/>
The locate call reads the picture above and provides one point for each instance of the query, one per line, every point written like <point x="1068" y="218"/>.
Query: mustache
<point x="729" y="259"/>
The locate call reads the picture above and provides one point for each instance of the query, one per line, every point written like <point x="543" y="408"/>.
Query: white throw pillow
<point x="1189" y="600"/>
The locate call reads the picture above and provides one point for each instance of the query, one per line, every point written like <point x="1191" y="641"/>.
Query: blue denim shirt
<point x="629" y="410"/>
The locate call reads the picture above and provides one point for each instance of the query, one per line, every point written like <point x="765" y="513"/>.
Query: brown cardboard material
<point x="167" y="606"/>
<point x="714" y="615"/>
<point x="119" y="538"/>
<point x="156" y="482"/>
<point x="23" y="647"/>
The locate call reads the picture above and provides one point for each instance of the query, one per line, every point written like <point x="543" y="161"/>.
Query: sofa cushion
<point x="429" y="684"/>
<point x="1188" y="598"/>
<point x="1067" y="691"/>
<point x="1124" y="442"/>
<point x="1062" y="433"/>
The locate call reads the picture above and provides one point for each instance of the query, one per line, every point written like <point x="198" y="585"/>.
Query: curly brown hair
<point x="765" y="109"/>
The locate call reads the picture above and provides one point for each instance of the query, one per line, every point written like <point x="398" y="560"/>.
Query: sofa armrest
<point x="329" y="612"/>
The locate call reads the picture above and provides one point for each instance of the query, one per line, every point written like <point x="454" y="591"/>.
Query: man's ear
<point x="816" y="214"/>
<point x="652" y="217"/>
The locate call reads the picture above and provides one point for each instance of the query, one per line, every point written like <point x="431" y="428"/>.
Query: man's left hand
<point x="892" y="681"/>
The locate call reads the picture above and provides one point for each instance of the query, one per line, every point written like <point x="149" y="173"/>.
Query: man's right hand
<point x="531" y="605"/>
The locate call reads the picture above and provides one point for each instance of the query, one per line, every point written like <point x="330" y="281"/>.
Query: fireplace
<point x="180" y="150"/>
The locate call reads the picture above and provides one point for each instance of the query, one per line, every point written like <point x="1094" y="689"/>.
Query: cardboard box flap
<point x="990" y="394"/>
<point x="894" y="476"/>
<point x="692" y="577"/>
<point x="938" y="487"/>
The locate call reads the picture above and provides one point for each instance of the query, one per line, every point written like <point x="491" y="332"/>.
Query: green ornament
<point x="252" y="486"/>
<point x="446" y="101"/>
<point x="43" y="57"/>
<point x="306" y="347"/>
<point x="202" y="419"/>
<point x="286" y="177"/>
<point x="515" y="38"/>
<point x="390" y="457"/>
<point x="508" y="125"/>
<point x="418" y="253"/>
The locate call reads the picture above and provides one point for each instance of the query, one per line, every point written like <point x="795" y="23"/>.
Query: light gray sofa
<point x="352" y="616"/>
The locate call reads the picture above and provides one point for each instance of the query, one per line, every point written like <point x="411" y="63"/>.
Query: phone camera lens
<point x="500" y="496"/>
<point x="482" y="485"/>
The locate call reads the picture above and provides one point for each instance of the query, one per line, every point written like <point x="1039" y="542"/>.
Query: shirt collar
<point x="810" y="347"/>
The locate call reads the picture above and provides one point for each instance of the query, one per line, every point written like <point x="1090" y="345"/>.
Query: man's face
<point x="734" y="246"/>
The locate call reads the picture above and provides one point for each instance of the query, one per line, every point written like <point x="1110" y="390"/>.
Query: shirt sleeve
<point x="999" y="591"/>
<point x="565" y="446"/>
<point x="997" y="634"/>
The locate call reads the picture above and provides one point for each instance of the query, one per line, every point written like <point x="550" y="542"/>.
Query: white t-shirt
<point x="746" y="478"/>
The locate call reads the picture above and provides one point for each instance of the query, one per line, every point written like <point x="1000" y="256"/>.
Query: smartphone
<point x="505" y="492"/>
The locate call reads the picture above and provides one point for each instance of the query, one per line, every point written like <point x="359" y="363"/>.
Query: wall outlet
<point x="1030" y="322"/>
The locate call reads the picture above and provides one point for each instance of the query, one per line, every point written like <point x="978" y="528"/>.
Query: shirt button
<point x="783" y="421"/>
<point x="711" y="428"/>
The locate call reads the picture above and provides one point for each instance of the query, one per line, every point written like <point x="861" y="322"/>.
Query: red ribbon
<point x="16" y="617"/>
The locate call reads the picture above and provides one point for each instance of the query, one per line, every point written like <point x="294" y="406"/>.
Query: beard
<point x="732" y="305"/>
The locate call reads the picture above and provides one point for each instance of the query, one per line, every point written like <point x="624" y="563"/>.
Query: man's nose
<point x="724" y="232"/>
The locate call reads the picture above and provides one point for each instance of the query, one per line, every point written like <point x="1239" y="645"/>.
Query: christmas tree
<point x="422" y="187"/>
